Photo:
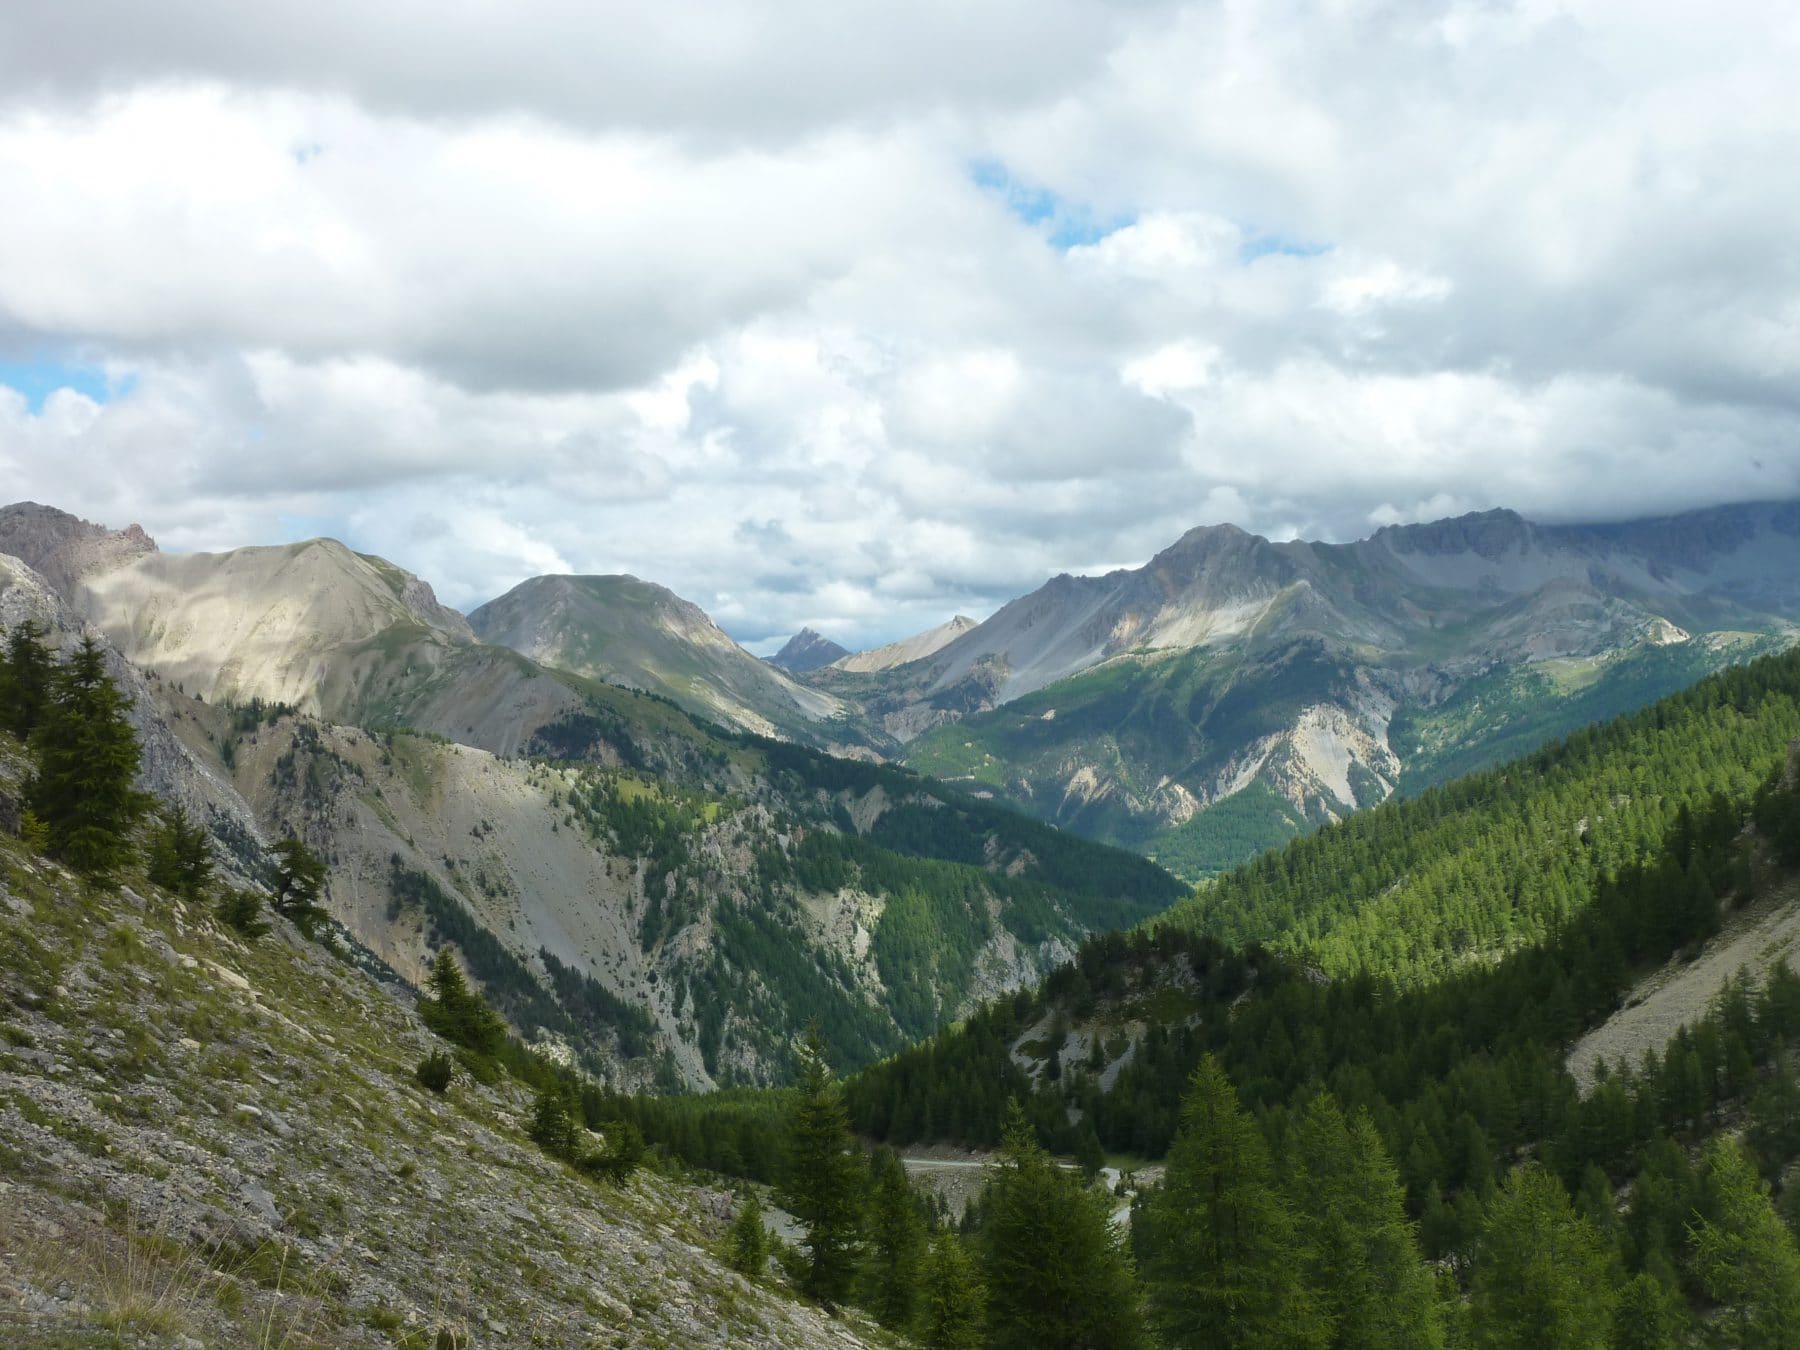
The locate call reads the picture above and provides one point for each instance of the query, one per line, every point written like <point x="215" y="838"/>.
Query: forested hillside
<point x="1419" y="887"/>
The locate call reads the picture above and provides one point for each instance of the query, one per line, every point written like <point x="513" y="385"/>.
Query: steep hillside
<point x="1516" y="907"/>
<point x="806" y="651"/>
<point x="207" y="1140"/>
<point x="680" y="927"/>
<point x="1296" y="682"/>
<point x="630" y="632"/>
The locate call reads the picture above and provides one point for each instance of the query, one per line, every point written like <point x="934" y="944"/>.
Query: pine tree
<point x="1745" y="1256"/>
<point x="180" y="855"/>
<point x="896" y="1242"/>
<point x="1543" y="1275"/>
<point x="953" y="1303"/>
<point x="299" y="882"/>
<point x="749" y="1239"/>
<point x="1365" y="1267"/>
<point x="26" y="672"/>
<point x="1056" y="1271"/>
<point x="87" y="757"/>
<point x="1223" y="1258"/>
<point x="822" y="1185"/>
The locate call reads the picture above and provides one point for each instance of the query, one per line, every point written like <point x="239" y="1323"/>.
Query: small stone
<point x="190" y="963"/>
<point x="245" y="1109"/>
<point x="188" y="1043"/>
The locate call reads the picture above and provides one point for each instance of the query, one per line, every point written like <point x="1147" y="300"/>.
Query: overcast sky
<point x="857" y="315"/>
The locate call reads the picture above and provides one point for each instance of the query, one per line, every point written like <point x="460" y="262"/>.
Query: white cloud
<point x="709" y="291"/>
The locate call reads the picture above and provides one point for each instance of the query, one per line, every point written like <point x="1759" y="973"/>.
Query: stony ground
<point x="1751" y="941"/>
<point x="205" y="1141"/>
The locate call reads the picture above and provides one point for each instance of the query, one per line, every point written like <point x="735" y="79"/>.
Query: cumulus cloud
<point x="853" y="319"/>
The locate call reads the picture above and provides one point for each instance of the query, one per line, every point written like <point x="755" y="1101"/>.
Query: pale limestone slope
<point x="297" y="623"/>
<point x="914" y="648"/>
<point x="635" y="633"/>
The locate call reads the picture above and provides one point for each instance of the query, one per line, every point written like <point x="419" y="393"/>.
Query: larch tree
<point x="1745" y="1256"/>
<point x="953" y="1303"/>
<point x="87" y="757"/>
<point x="26" y="671"/>
<point x="1364" y="1264"/>
<point x="1057" y="1273"/>
<point x="1222" y="1255"/>
<point x="823" y="1182"/>
<point x="1543" y="1276"/>
<point x="299" y="884"/>
<point x="896" y="1240"/>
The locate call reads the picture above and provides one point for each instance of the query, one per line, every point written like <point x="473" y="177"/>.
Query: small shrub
<point x="242" y="910"/>
<point x="436" y="1071"/>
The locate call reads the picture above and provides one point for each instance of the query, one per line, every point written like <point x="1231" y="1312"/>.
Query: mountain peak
<point x="63" y="548"/>
<point x="806" y="651"/>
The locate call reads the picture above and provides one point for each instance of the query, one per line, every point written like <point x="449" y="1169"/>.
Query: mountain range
<point x="663" y="896"/>
<point x="1234" y="691"/>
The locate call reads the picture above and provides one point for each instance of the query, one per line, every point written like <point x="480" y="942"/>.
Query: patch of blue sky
<point x="1258" y="244"/>
<point x="39" y="377"/>
<point x="1065" y="224"/>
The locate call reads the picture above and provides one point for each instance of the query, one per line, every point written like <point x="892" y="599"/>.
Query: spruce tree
<point x="1745" y="1256"/>
<point x="1365" y="1267"/>
<point x="26" y="671"/>
<point x="1543" y="1276"/>
<point x="952" y="1300"/>
<point x="1056" y="1270"/>
<point x="749" y="1239"/>
<point x="87" y="757"/>
<point x="1222" y="1256"/>
<point x="823" y="1180"/>
<point x="299" y="882"/>
<point x="896" y="1242"/>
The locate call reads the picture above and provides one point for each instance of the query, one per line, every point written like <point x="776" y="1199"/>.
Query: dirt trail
<point x="1752" y="939"/>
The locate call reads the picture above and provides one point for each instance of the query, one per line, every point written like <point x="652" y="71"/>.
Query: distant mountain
<point x="806" y="651"/>
<point x="1235" y="690"/>
<point x="915" y="648"/>
<point x="641" y="635"/>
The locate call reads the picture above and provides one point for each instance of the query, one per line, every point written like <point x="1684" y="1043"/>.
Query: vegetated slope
<point x="1514" y="907"/>
<point x="1463" y="1082"/>
<point x="1499" y="859"/>
<point x="670" y="903"/>
<point x="1318" y="678"/>
<point x="631" y="632"/>
<point x="806" y="651"/>
<point x="1458" y="1074"/>
<point x="224" y="1141"/>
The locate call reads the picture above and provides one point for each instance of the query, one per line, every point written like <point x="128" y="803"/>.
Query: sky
<point x="859" y="315"/>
